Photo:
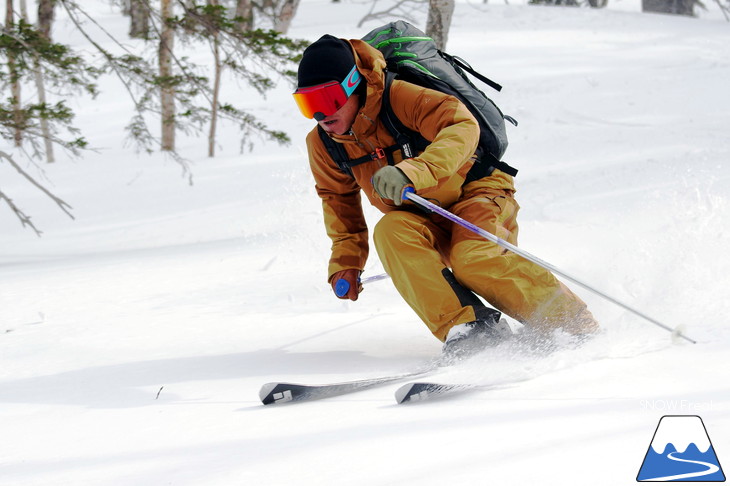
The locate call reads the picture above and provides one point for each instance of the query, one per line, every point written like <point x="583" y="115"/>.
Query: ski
<point x="421" y="391"/>
<point x="275" y="393"/>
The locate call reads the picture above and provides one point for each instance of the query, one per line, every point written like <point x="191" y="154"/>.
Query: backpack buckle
<point x="378" y="154"/>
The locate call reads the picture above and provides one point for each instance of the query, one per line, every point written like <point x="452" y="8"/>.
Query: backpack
<point x="411" y="56"/>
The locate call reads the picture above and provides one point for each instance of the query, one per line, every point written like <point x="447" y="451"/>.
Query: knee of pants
<point x="393" y="226"/>
<point x="478" y="260"/>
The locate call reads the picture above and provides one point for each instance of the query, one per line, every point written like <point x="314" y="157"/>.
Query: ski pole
<point x="343" y="286"/>
<point x="411" y="195"/>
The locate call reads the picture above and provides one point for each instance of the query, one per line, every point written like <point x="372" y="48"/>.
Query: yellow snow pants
<point x="416" y="247"/>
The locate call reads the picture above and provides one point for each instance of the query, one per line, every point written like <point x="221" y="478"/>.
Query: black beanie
<point x="328" y="59"/>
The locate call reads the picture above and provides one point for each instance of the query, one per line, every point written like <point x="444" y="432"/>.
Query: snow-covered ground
<point x="134" y="340"/>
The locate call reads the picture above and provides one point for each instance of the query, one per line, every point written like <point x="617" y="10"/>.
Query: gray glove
<point x="389" y="183"/>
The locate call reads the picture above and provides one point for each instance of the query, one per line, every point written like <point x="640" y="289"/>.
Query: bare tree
<point x="167" y="87"/>
<point x="438" y="24"/>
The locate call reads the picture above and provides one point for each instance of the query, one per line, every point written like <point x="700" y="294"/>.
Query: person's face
<point x="341" y="121"/>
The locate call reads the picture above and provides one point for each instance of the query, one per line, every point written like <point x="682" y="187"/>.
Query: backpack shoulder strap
<point x="409" y="141"/>
<point x="340" y="156"/>
<point x="394" y="126"/>
<point x="337" y="152"/>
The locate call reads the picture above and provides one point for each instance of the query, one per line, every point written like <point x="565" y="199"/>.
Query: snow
<point x="134" y="340"/>
<point x="680" y="432"/>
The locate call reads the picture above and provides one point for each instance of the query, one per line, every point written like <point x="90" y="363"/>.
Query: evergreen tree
<point x="256" y="56"/>
<point x="23" y="48"/>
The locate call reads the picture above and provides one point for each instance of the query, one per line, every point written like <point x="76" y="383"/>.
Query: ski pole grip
<point x="342" y="287"/>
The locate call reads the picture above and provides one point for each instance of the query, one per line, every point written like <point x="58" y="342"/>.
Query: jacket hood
<point x="371" y="64"/>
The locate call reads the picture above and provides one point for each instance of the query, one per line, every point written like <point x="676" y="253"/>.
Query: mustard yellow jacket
<point x="438" y="173"/>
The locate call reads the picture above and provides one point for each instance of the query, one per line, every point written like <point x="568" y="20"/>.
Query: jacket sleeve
<point x="341" y="204"/>
<point x="452" y="129"/>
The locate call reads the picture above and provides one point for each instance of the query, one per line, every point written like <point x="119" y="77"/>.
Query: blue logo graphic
<point x="681" y="451"/>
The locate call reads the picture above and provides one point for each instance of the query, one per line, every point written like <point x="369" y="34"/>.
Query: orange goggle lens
<point x="320" y="101"/>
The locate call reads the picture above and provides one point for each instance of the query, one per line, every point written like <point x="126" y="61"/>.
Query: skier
<point x="436" y="266"/>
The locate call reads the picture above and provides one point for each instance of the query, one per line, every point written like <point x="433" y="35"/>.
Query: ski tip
<point x="421" y="391"/>
<point x="407" y="393"/>
<point x="274" y="393"/>
<point x="265" y="392"/>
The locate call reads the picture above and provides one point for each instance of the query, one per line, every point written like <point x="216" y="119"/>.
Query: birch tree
<point x="45" y="20"/>
<point x="217" y="69"/>
<point x="14" y="78"/>
<point x="166" y="79"/>
<point x="244" y="15"/>
<point x="285" y="15"/>
<point x="46" y="14"/>
<point x="139" y="19"/>
<point x="438" y="24"/>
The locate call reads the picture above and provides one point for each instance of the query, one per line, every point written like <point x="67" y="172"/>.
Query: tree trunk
<point x="678" y="7"/>
<point x="139" y="19"/>
<point x="46" y="15"/>
<point x="216" y="89"/>
<point x="439" y="21"/>
<point x="14" y="81"/>
<point x="45" y="20"/>
<point x="244" y="14"/>
<point x="286" y="14"/>
<point x="126" y="7"/>
<point x="167" y="90"/>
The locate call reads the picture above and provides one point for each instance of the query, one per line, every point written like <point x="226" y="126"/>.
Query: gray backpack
<point x="411" y="56"/>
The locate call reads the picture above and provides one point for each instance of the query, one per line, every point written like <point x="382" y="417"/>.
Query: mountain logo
<point x="681" y="451"/>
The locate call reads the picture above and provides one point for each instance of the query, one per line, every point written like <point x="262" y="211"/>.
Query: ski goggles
<point x="325" y="99"/>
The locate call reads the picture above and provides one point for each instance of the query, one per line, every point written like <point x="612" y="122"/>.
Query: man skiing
<point x="436" y="266"/>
